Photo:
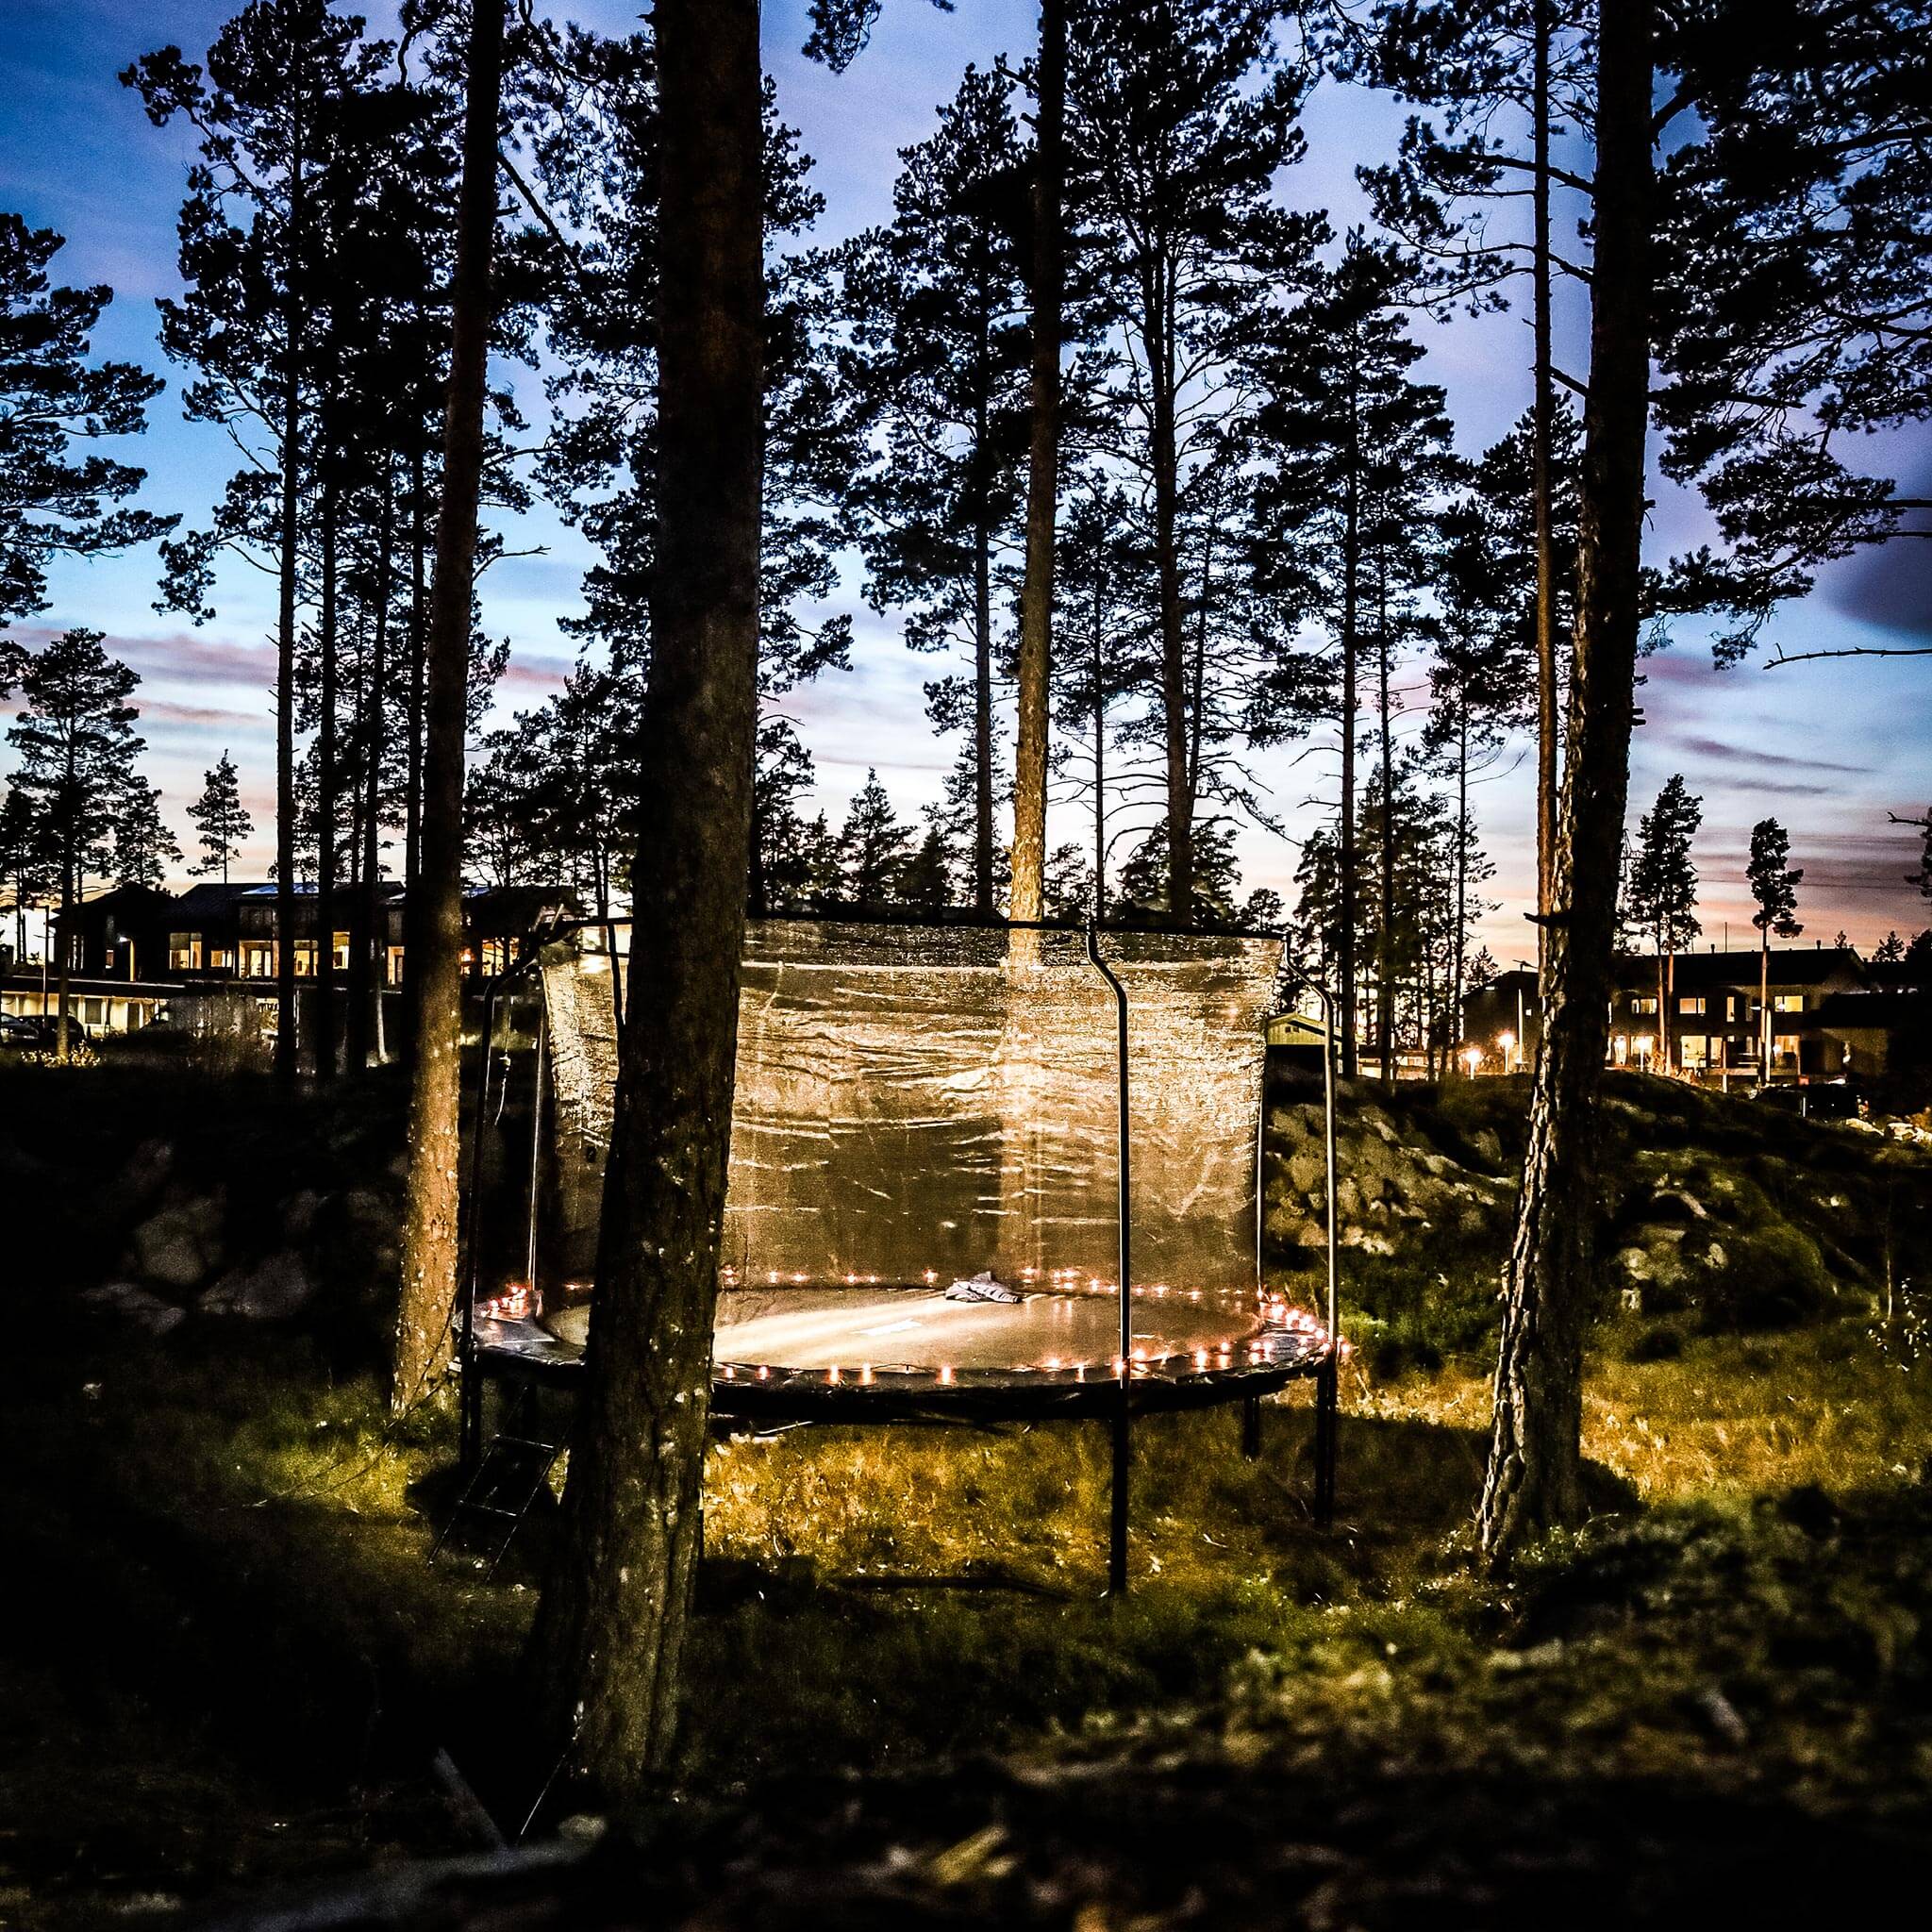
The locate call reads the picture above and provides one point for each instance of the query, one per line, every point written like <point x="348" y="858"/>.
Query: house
<point x="133" y="950"/>
<point x="1714" y="1022"/>
<point x="1828" y="1019"/>
<point x="1504" y="1020"/>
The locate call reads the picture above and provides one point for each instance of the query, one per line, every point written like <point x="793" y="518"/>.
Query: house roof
<point x="1789" y="966"/>
<point x="1852" y="1009"/>
<point x="200" y="900"/>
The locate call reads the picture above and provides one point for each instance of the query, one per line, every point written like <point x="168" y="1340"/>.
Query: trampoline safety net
<point x="915" y="1104"/>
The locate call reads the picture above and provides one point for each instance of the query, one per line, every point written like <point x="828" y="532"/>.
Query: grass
<point x="232" y="1663"/>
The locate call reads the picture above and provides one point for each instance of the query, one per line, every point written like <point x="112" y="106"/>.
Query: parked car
<point x="38" y="1032"/>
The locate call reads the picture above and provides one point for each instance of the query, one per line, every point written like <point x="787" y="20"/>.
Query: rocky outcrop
<point x="1393" y="1183"/>
<point x="180" y="1246"/>
<point x="272" y="1290"/>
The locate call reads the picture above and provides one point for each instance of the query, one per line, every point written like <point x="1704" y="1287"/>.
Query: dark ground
<point x="225" y="1670"/>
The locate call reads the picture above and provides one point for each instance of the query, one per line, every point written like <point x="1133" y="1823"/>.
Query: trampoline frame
<point x="809" y="1396"/>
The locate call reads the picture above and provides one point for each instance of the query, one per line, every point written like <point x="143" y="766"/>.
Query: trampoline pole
<point x="535" y="1147"/>
<point x="1117" y="1527"/>
<point x="470" y="1434"/>
<point x="1329" y="1385"/>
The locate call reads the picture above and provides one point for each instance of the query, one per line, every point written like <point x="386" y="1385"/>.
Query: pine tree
<point x="617" y="1599"/>
<point x="224" y="822"/>
<point x="77" y="747"/>
<point x="1794" y="316"/>
<point x="28" y="867"/>
<point x="1046" y="296"/>
<point x="1663" y="889"/>
<point x="1102" y="654"/>
<point x="1359" y="461"/>
<point x="1181" y="122"/>
<point x="1533" y="1480"/>
<point x="1774" y="885"/>
<point x="144" y="846"/>
<point x="871" y="847"/>
<point x="1890" y="951"/>
<point x="432" y="1207"/>
<point x="53" y="503"/>
<point x="269" y="110"/>
<point x="938" y="303"/>
<point x="925" y="880"/>
<point x="1472" y="71"/>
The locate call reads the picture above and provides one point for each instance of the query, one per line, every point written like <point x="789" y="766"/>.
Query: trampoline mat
<point x="871" y="1331"/>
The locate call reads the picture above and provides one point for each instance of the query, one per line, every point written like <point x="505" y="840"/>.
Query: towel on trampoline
<point x="983" y="1288"/>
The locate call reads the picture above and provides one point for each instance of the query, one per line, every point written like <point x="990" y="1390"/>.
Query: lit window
<point x="1690" y="1003"/>
<point x="1788" y="1003"/>
<point x="1644" y="1003"/>
<point x="184" y="951"/>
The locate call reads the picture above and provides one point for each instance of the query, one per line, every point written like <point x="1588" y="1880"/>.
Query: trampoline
<point x="951" y="1145"/>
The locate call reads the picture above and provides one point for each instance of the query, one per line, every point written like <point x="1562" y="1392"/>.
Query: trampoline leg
<point x="1251" y="1427"/>
<point x="1327" y="1391"/>
<point x="1117" y="1535"/>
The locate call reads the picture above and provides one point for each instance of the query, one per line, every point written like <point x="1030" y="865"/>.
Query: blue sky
<point x="1828" y="748"/>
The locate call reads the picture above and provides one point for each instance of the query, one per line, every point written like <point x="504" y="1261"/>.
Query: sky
<point x="1828" y="748"/>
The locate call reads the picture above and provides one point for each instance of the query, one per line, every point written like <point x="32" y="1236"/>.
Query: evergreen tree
<point x="779" y="871"/>
<point x="144" y="846"/>
<point x="77" y="747"/>
<point x="925" y="880"/>
<point x="1046" y="290"/>
<point x="937" y="302"/>
<point x="1180" y="123"/>
<point x="1663" y="889"/>
<point x="1102" y="654"/>
<point x="1774" y="885"/>
<point x="871" y="847"/>
<point x="1473" y="71"/>
<point x="1794" y="315"/>
<point x="1358" y="462"/>
<point x="1068" y="888"/>
<point x="224" y="823"/>
<point x="1890" y="951"/>
<point x="1533" y="1478"/>
<point x="28" y="866"/>
<point x="269" y="108"/>
<point x="618" y="1598"/>
<point x="54" y="502"/>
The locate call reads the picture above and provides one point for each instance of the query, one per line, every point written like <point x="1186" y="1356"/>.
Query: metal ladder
<point x="512" y="1472"/>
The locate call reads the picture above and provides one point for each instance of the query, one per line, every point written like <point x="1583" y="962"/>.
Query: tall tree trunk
<point x="430" y="1215"/>
<point x="1385" y="979"/>
<point x="1456" y="951"/>
<point x="365" y="939"/>
<point x="412" y="783"/>
<point x="1535" y="1467"/>
<point x="1764" y="1005"/>
<point x="610" y="1630"/>
<point x="1164" y="455"/>
<point x="418" y="700"/>
<point x="63" y="952"/>
<point x="982" y="719"/>
<point x="287" y="1043"/>
<point x="1543" y="413"/>
<point x="327" y="772"/>
<point x="1028" y="899"/>
<point x="1346" y="857"/>
<point x="1098" y="652"/>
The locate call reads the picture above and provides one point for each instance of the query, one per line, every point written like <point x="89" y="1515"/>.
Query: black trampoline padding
<point x="868" y="1352"/>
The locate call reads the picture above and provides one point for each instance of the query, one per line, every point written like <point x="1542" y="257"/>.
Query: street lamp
<point x="1473" y="1060"/>
<point x="1505" y="1040"/>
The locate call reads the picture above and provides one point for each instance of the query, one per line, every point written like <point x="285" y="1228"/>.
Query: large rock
<point x="128" y="1302"/>
<point x="180" y="1247"/>
<point x="272" y="1290"/>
